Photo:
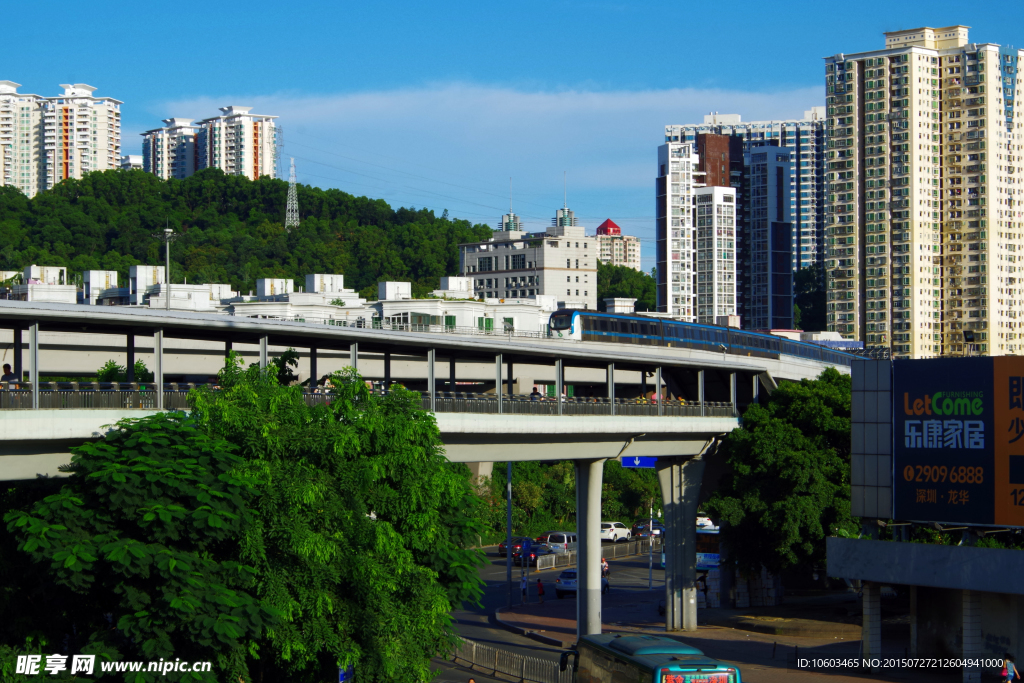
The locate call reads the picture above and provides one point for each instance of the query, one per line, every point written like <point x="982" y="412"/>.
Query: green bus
<point x="622" y="658"/>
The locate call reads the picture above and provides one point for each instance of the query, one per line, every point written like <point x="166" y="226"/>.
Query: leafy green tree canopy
<point x="362" y="527"/>
<point x="623" y="281"/>
<point x="114" y="372"/>
<point x="144" y="538"/>
<point x="788" y="485"/>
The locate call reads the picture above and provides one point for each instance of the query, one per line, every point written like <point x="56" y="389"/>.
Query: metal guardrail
<point x="509" y="665"/>
<point x="123" y="396"/>
<point x="454" y="402"/>
<point x="641" y="547"/>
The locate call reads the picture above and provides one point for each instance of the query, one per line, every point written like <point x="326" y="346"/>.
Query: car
<point x="615" y="532"/>
<point x="640" y="529"/>
<point x="543" y="538"/>
<point x="537" y="550"/>
<point x="517" y="544"/>
<point x="567" y="583"/>
<point x="562" y="541"/>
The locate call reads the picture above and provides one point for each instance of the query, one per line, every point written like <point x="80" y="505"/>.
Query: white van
<point x="562" y="541"/>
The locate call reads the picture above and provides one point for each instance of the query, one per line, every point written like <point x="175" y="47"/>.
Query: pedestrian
<point x="540" y="591"/>
<point x="604" y="567"/>
<point x="535" y="395"/>
<point x="1009" y="671"/>
<point x="522" y="584"/>
<point x="8" y="376"/>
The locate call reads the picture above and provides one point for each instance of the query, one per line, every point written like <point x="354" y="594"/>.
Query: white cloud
<point x="473" y="137"/>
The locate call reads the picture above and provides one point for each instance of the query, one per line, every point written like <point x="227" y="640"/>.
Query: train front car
<point x="565" y="324"/>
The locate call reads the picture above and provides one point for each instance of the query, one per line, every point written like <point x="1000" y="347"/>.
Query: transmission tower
<point x="291" y="215"/>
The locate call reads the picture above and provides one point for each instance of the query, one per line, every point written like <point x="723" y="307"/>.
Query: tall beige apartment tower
<point x="237" y="142"/>
<point x="45" y="140"/>
<point x="924" y="173"/>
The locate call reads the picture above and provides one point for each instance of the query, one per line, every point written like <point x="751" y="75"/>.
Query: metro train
<point x="587" y="325"/>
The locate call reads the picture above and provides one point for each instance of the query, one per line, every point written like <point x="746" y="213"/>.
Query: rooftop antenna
<point x="510" y="195"/>
<point x="565" y="193"/>
<point x="291" y="213"/>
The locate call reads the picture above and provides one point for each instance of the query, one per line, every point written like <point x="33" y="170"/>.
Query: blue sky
<point x="438" y="104"/>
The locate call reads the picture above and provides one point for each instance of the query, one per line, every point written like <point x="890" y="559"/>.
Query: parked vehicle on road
<point x="641" y="529"/>
<point x="562" y="541"/>
<point x="643" y="659"/>
<point x="537" y="550"/>
<point x="567" y="583"/>
<point x="517" y="545"/>
<point x="616" y="532"/>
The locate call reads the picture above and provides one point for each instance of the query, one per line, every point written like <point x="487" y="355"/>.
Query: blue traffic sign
<point x="346" y="675"/>
<point x="648" y="461"/>
<point x="527" y="546"/>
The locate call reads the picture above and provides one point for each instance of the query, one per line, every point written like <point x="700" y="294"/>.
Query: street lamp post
<point x="167" y="236"/>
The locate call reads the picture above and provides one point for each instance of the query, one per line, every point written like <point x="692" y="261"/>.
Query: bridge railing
<point x="124" y="396"/>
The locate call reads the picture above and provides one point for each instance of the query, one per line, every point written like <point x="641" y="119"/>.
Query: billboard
<point x="958" y="440"/>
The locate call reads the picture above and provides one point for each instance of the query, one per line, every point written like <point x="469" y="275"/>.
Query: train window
<point x="643" y="328"/>
<point x="623" y="327"/>
<point x="604" y="325"/>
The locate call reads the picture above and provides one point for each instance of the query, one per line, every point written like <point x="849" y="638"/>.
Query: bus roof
<point x="649" y="652"/>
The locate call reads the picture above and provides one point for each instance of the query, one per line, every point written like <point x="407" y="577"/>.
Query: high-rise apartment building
<point x="45" y="140"/>
<point x="924" y="171"/>
<point x="715" y="223"/>
<point x="560" y="262"/>
<point x="807" y="195"/>
<point x="676" y="270"/>
<point x="616" y="249"/>
<point x="170" y="152"/>
<point x="238" y="142"/>
<point x="767" y="269"/>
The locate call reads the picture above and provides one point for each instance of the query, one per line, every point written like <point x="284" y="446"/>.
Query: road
<point x="476" y="623"/>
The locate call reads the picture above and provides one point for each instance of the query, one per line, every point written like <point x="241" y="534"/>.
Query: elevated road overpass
<point x="700" y="397"/>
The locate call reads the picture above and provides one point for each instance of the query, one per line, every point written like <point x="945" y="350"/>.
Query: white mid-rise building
<point x="616" y="249"/>
<point x="131" y="162"/>
<point x="561" y="263"/>
<point x="715" y="227"/>
<point x="45" y="140"/>
<point x="94" y="282"/>
<point x="170" y="152"/>
<point x="238" y="142"/>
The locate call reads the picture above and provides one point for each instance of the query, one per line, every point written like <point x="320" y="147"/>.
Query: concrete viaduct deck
<point x="707" y="392"/>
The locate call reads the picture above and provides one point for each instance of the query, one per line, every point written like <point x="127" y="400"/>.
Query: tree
<point x="283" y="365"/>
<point x="362" y="527"/>
<point x="809" y="299"/>
<point x="142" y="542"/>
<point x="623" y="281"/>
<point x="788" y="485"/>
<point x="113" y="372"/>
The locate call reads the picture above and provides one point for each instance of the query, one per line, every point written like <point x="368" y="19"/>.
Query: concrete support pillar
<point x="431" y="380"/>
<point x="19" y="369"/>
<point x="700" y="390"/>
<point x="353" y="355"/>
<point x="510" y="378"/>
<point x="227" y="348"/>
<point x="158" y="367"/>
<point x="480" y="471"/>
<point x="733" y="393"/>
<point x="33" y="359"/>
<point x="312" y="368"/>
<point x="387" y="371"/>
<point x="871" y="628"/>
<point x="589" y="477"/>
<point x="680" y="488"/>
<point x="756" y="390"/>
<point x="611" y="386"/>
<point x="451" y="374"/>
<point x="559" y="401"/>
<point x="497" y="381"/>
<point x="973" y="645"/>
<point x="264" y="359"/>
<point x="657" y="391"/>
<point x="130" y="366"/>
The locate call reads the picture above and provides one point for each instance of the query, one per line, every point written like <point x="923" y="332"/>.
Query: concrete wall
<point x="939" y="622"/>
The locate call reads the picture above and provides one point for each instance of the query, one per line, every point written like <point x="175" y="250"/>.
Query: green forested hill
<point x="232" y="230"/>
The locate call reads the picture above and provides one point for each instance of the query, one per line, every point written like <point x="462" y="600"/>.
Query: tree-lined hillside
<point x="231" y="231"/>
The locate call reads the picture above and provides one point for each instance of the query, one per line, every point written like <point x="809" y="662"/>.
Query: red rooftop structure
<point x="609" y="228"/>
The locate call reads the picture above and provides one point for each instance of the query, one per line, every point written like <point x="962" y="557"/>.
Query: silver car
<point x="567" y="583"/>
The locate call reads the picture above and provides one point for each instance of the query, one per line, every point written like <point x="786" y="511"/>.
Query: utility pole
<point x="508" y="530"/>
<point x="650" y="548"/>
<point x="167" y="236"/>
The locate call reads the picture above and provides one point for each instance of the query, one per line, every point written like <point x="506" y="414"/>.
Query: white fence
<point x="509" y="666"/>
<point x="607" y="551"/>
